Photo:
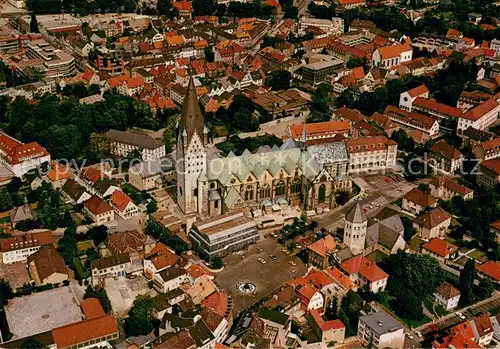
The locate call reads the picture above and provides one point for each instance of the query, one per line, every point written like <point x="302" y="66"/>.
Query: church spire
<point x="303" y="138"/>
<point x="192" y="119"/>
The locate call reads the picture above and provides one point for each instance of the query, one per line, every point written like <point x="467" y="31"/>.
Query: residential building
<point x="333" y="27"/>
<point x="310" y="297"/>
<point x="445" y="188"/>
<point x="447" y="296"/>
<point x="326" y="330"/>
<point x="276" y="324"/>
<point x="495" y="46"/>
<point x="21" y="214"/>
<point x="371" y="153"/>
<point x="319" y="252"/>
<point x="412" y="120"/>
<point x="46" y="266"/>
<point x="123" y="205"/>
<point x="433" y="223"/>
<point x="490" y="270"/>
<point x="487" y="150"/>
<point x="445" y="157"/>
<point x="164" y="302"/>
<point x="129" y="242"/>
<point x="363" y="271"/>
<point x="483" y="330"/>
<point x="98" y="210"/>
<point x="145" y="175"/>
<point x="74" y="192"/>
<point x="201" y="289"/>
<point x="124" y="142"/>
<point x="416" y="200"/>
<point x="222" y="235"/>
<point x="381" y="330"/>
<point x="157" y="259"/>
<point x="320" y="132"/>
<point x="489" y="173"/>
<point x="384" y="234"/>
<point x="479" y="117"/>
<point x="109" y="267"/>
<point x="58" y="174"/>
<point x="169" y="279"/>
<point x="19" y="247"/>
<point x="468" y="99"/>
<point x="440" y="249"/>
<point x="19" y="157"/>
<point x="407" y="98"/>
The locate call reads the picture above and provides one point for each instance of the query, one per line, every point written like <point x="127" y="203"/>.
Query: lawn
<point x="434" y="308"/>
<point x="415" y="243"/>
<point x="476" y="254"/>
<point x="409" y="322"/>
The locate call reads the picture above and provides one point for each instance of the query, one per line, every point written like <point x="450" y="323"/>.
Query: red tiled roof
<point x="495" y="225"/>
<point x="27" y="240"/>
<point x="420" y="197"/>
<point x="323" y="246"/>
<point x="341" y="279"/>
<point x="491" y="145"/>
<point x="479" y="111"/>
<point x="447" y="151"/>
<point x="365" y="144"/>
<point x="492" y="165"/>
<point x="450" y="184"/>
<point x="326" y="325"/>
<point x="438" y="107"/>
<point x="351" y="2"/>
<point x="365" y="267"/>
<point x="313" y="129"/>
<point x="87" y="75"/>
<point x="96" y="205"/>
<point x="58" y="172"/>
<point x="453" y="33"/>
<point x="455" y="341"/>
<point x="217" y="301"/>
<point x="135" y="82"/>
<point x="161" y="256"/>
<point x="197" y="271"/>
<point x="307" y="291"/>
<point x="126" y="240"/>
<point x="92" y="308"/>
<point x="119" y="200"/>
<point x="405" y="116"/>
<point x="417" y="91"/>
<point x="93" y="174"/>
<point x="16" y="152"/>
<point x="447" y="290"/>
<point x="440" y="247"/>
<point x="483" y="325"/>
<point x="319" y="278"/>
<point x="491" y="268"/>
<point x="358" y="73"/>
<point x="84" y="331"/>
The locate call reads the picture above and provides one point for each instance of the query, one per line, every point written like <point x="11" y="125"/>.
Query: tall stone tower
<point x="355" y="229"/>
<point x="192" y="137"/>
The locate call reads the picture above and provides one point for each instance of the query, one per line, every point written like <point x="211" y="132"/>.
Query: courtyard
<point x="15" y="273"/>
<point x="244" y="267"/>
<point x="123" y="291"/>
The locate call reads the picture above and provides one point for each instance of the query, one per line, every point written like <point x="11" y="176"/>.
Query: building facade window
<point x="280" y="188"/>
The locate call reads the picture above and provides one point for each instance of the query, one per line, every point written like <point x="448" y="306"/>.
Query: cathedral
<point x="293" y="174"/>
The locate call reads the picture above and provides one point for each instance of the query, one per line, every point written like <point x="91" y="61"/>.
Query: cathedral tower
<point x="355" y="229"/>
<point x="192" y="137"/>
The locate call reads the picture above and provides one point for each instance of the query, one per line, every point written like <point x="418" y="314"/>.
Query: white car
<point x="460" y="315"/>
<point x="263" y="261"/>
<point x="418" y="333"/>
<point x="409" y="335"/>
<point x="292" y="263"/>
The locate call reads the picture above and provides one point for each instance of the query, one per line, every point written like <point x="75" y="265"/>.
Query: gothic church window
<point x="265" y="191"/>
<point x="280" y="188"/>
<point x="296" y="186"/>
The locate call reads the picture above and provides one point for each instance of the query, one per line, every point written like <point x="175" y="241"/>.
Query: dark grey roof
<point x="379" y="233"/>
<point x="380" y="323"/>
<point x="73" y="189"/>
<point x="110" y="261"/>
<point x="176" y="321"/>
<point x="135" y="138"/>
<point x="273" y="315"/>
<point x="356" y="214"/>
<point x="171" y="273"/>
<point x="201" y="333"/>
<point x="192" y="120"/>
<point x="161" y="302"/>
<point x="21" y="213"/>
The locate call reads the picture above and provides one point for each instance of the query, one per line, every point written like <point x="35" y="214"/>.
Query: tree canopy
<point x="140" y="317"/>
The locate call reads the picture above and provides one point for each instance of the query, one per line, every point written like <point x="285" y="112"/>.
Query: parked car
<point x="409" y="335"/>
<point x="418" y="333"/>
<point x="460" y="315"/>
<point x="263" y="261"/>
<point x="273" y="257"/>
<point x="292" y="263"/>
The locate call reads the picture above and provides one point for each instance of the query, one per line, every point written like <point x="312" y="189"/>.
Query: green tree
<point x="165" y="8"/>
<point x="341" y="197"/>
<point x="151" y="206"/>
<point x="140" y="317"/>
<point x="244" y="120"/>
<point x="356" y="62"/>
<point x="97" y="234"/>
<point x="209" y="54"/>
<point x="291" y="12"/>
<point x="484" y="289"/>
<point x="100" y="294"/>
<point x="32" y="343"/>
<point x="5" y="199"/>
<point x="67" y="245"/>
<point x="6" y="292"/>
<point x="466" y="282"/>
<point x="279" y="79"/>
<point x="34" y="24"/>
<point x="409" y="230"/>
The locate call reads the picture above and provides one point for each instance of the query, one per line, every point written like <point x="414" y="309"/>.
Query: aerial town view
<point x="249" y="174"/>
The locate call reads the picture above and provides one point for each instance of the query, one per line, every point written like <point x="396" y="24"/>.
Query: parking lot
<point x="245" y="267"/>
<point x="123" y="291"/>
<point x="15" y="273"/>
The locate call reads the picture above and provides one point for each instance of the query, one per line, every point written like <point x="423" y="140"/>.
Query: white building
<point x="407" y="98"/>
<point x="381" y="330"/>
<point x="412" y="120"/>
<point x="122" y="205"/>
<point x="390" y="56"/>
<point x="355" y="226"/>
<point x="169" y="279"/>
<point x="479" y="117"/>
<point x="495" y="46"/>
<point x="19" y="247"/>
<point x="371" y="153"/>
<point x="447" y="296"/>
<point x="109" y="267"/>
<point x="19" y="157"/>
<point x="124" y="142"/>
